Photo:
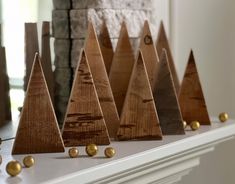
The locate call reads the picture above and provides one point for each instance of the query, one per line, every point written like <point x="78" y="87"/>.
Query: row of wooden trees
<point x="126" y="98"/>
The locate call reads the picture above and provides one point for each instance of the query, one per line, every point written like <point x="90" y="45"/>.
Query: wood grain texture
<point x="38" y="131"/>
<point x="46" y="58"/>
<point x="149" y="52"/>
<point x="31" y="47"/>
<point x="139" y="119"/>
<point x="163" y="43"/>
<point x="191" y="98"/>
<point x="101" y="81"/>
<point x="106" y="46"/>
<point x="166" y="100"/>
<point x="122" y="65"/>
<point x="5" y="103"/>
<point x="84" y="121"/>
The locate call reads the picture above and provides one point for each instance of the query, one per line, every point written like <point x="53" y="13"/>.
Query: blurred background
<point x="208" y="27"/>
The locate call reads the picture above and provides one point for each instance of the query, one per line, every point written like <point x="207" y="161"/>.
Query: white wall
<point x="209" y="28"/>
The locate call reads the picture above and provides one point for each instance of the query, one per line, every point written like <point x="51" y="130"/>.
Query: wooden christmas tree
<point x="149" y="53"/>
<point x="122" y="65"/>
<point x="191" y="98"/>
<point x="31" y="47"/>
<point x="5" y="104"/>
<point x="163" y="43"/>
<point x="102" y="85"/>
<point x="166" y="100"/>
<point x="38" y="131"/>
<point x="84" y="121"/>
<point x="139" y="119"/>
<point x="106" y="47"/>
<point x="46" y="58"/>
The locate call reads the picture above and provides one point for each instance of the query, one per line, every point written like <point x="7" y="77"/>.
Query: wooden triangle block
<point x="31" y="47"/>
<point x="5" y="103"/>
<point x="38" y="131"/>
<point x="139" y="119"/>
<point x="84" y="121"/>
<point x="191" y="98"/>
<point x="101" y="80"/>
<point x="163" y="43"/>
<point x="106" y="46"/>
<point x="122" y="65"/>
<point x="149" y="53"/>
<point x="46" y="58"/>
<point x="166" y="100"/>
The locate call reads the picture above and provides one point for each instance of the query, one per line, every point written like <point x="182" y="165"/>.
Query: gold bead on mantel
<point x="73" y="152"/>
<point x="13" y="168"/>
<point x="109" y="152"/>
<point x="28" y="161"/>
<point x="91" y="150"/>
<point x="223" y="117"/>
<point x="195" y="125"/>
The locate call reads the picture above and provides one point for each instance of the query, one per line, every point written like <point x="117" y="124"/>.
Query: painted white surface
<point x="141" y="162"/>
<point x="209" y="28"/>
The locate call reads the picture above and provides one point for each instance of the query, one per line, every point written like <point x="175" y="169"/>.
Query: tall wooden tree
<point x="101" y="81"/>
<point x="122" y="65"/>
<point x="46" y="58"/>
<point x="163" y="43"/>
<point x="31" y="47"/>
<point x="149" y="52"/>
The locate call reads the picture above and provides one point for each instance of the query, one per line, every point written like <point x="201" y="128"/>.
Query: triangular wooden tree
<point x="191" y="98"/>
<point x="122" y="65"/>
<point x="84" y="121"/>
<point x="106" y="46"/>
<point x="38" y="131"/>
<point x="163" y="43"/>
<point x="5" y="104"/>
<point x="139" y="119"/>
<point x="46" y="58"/>
<point x="166" y="100"/>
<point x="31" y="47"/>
<point x="149" y="53"/>
<point x="101" y="81"/>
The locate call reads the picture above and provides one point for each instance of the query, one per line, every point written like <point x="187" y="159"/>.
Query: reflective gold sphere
<point x="185" y="124"/>
<point x="223" y="117"/>
<point x="13" y="168"/>
<point x="195" y="125"/>
<point x="109" y="152"/>
<point x="91" y="150"/>
<point x="28" y="161"/>
<point x="73" y="152"/>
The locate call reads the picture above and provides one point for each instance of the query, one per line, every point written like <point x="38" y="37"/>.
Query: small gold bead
<point x="28" y="161"/>
<point x="223" y="117"/>
<point x="185" y="124"/>
<point x="109" y="152"/>
<point x="73" y="152"/>
<point x="195" y="125"/>
<point x="91" y="150"/>
<point x="13" y="168"/>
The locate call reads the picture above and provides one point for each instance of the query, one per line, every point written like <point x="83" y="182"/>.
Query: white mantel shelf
<point x="139" y="162"/>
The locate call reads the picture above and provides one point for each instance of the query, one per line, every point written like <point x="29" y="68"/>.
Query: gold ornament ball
<point x="223" y="117"/>
<point x="195" y="125"/>
<point x="185" y="124"/>
<point x="91" y="150"/>
<point x="73" y="152"/>
<point x="109" y="152"/>
<point x="28" y="161"/>
<point x="13" y="168"/>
